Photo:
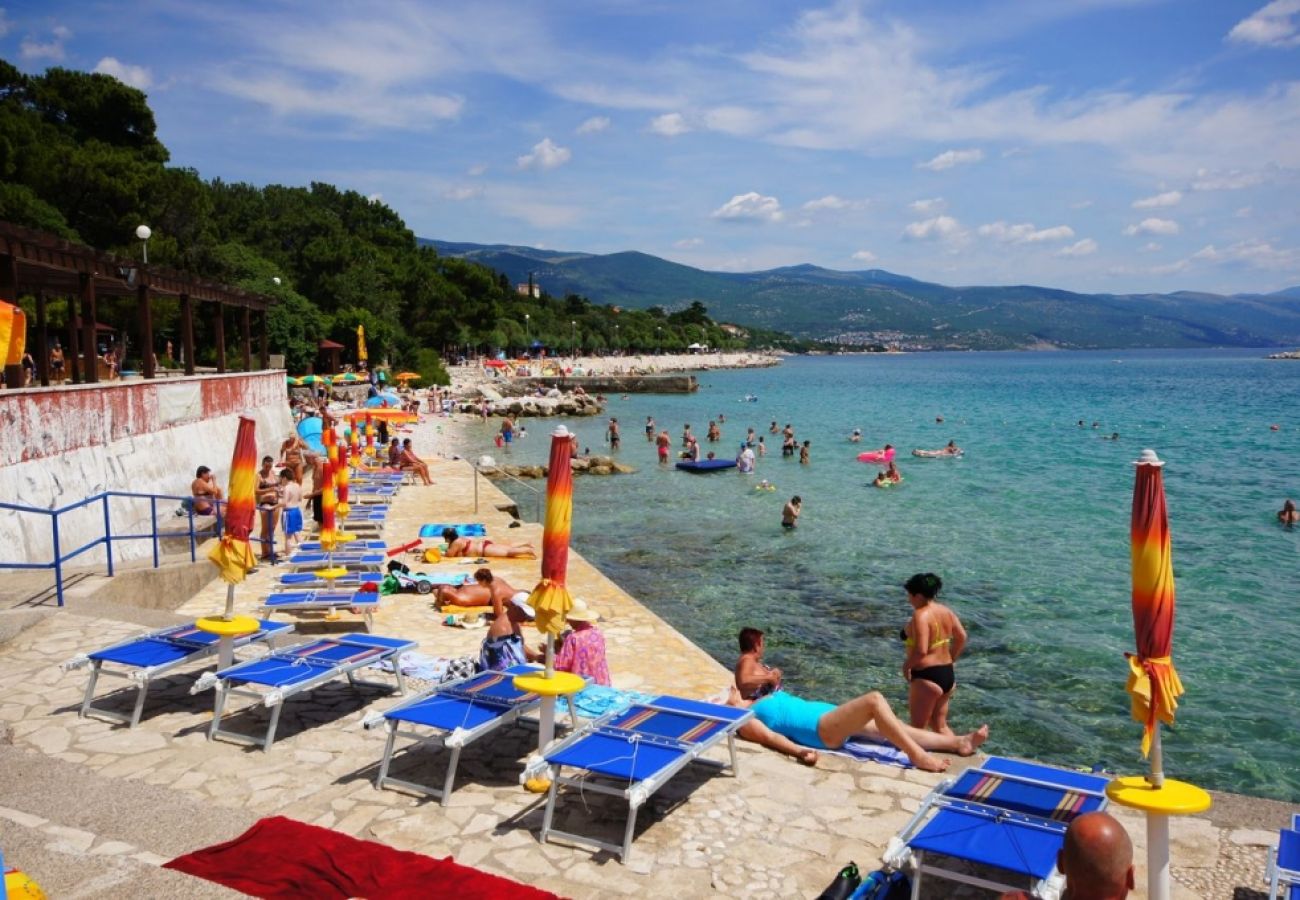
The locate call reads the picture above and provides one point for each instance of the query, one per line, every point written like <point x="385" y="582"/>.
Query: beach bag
<point x="882" y="885"/>
<point x="461" y="667"/>
<point x="844" y="885"/>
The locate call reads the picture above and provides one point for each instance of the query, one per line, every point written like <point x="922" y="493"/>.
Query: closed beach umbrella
<point x="1153" y="683"/>
<point x="13" y="334"/>
<point x="328" y="497"/>
<point x="362" y="356"/>
<point x="232" y="555"/>
<point x="551" y="597"/>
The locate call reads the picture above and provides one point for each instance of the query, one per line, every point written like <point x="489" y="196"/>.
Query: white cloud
<point x="1151" y="247"/>
<point x="1253" y="253"/>
<point x="950" y="158"/>
<point x="1167" y="198"/>
<point x="928" y="206"/>
<point x="688" y="243"/>
<point x="669" y="125"/>
<point x="546" y="154"/>
<point x="938" y="228"/>
<point x="750" y="207"/>
<point x="476" y="170"/>
<point x="593" y="125"/>
<point x="1024" y="233"/>
<point x="375" y="197"/>
<point x="1152" y="226"/>
<point x="32" y="50"/>
<point x="136" y="76"/>
<point x="1082" y="204"/>
<point x="363" y="103"/>
<point x="5" y="24"/>
<point x="1085" y="247"/>
<point x="1244" y="212"/>
<point x="1274" y="25"/>
<point x="462" y="192"/>
<point x="735" y="120"/>
<point x="865" y="256"/>
<point x="830" y="201"/>
<point x="1231" y="180"/>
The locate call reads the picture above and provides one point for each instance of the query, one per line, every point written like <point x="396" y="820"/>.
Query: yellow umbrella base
<point x="560" y="684"/>
<point x="232" y="627"/>
<point x="537" y="785"/>
<point x="1173" y="798"/>
<point x="331" y="574"/>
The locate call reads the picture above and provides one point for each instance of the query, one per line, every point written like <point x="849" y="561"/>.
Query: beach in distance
<point x="1029" y="530"/>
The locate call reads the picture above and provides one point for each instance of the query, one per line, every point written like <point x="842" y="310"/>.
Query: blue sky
<point x="1099" y="145"/>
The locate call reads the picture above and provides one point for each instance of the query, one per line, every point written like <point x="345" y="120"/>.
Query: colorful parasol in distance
<point x="551" y="597"/>
<point x="232" y="555"/>
<point x="362" y="354"/>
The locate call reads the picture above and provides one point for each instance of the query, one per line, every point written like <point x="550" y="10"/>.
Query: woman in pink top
<point x="583" y="649"/>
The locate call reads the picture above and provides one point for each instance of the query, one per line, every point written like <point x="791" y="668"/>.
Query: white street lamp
<point x="574" y="325"/>
<point x="144" y="232"/>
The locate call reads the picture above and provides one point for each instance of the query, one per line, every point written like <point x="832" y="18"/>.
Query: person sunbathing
<point x="410" y="461"/>
<point x="464" y="546"/>
<point x="204" y="490"/>
<point x="481" y="592"/>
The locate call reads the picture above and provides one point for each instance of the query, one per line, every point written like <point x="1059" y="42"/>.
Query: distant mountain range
<point x="872" y="306"/>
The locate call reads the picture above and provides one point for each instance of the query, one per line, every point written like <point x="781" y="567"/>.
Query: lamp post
<point x="275" y="279"/>
<point x="659" y="340"/>
<point x="616" y="338"/>
<point x="574" y="326"/>
<point x="528" y="337"/>
<point x="144" y="232"/>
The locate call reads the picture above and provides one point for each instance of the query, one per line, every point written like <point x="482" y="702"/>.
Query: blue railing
<point x="193" y="530"/>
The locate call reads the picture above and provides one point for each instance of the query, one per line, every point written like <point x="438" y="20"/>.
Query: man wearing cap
<point x="582" y="650"/>
<point x="504" y="645"/>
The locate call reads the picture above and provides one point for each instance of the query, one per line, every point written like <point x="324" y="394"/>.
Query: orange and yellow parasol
<point x="328" y="497"/>
<point x="13" y="334"/>
<point x="551" y="598"/>
<point x="361" y="344"/>
<point x="232" y="555"/>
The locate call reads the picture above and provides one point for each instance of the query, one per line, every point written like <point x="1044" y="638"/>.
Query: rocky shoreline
<point x="584" y="465"/>
<point x="1286" y="354"/>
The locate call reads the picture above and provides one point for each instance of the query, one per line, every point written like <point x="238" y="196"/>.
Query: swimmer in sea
<point x="953" y="450"/>
<point x="856" y="436"/>
<point x="790" y="513"/>
<point x="881" y="481"/>
<point x="892" y="474"/>
<point x="1288" y="515"/>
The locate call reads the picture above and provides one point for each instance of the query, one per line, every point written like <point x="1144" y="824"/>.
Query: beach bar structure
<point x="46" y="266"/>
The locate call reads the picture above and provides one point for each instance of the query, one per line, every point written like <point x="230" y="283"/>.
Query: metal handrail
<point x="107" y="537"/>
<point x="538" y="495"/>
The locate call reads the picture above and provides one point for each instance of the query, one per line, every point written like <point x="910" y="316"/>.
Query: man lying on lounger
<point x="485" y="589"/>
<point x="799" y="728"/>
<point x="464" y="546"/>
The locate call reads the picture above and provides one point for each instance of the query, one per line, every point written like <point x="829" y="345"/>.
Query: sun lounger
<point x="1007" y="815"/>
<point x="308" y="580"/>
<point x="464" y="529"/>
<point x="359" y="562"/>
<point x="303" y="667"/>
<point x="294" y="670"/>
<point x="1284" y="864"/>
<point x="633" y="753"/>
<point x="150" y="656"/>
<point x="362" y="602"/>
<point x="366" y="513"/>
<point x="357" y="546"/>
<point x="459" y="713"/>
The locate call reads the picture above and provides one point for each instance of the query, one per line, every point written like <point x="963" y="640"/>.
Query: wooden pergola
<point x="44" y="265"/>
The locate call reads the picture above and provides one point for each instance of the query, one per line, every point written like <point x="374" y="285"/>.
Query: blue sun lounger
<point x="308" y="580"/>
<point x="634" y="752"/>
<point x="1008" y="815"/>
<point x="150" y="656"/>
<point x="352" y="546"/>
<point x="297" y="669"/>
<point x="1284" y="864"/>
<point x="458" y="713"/>
<point x="356" y="561"/>
<point x="365" y="514"/>
<point x="464" y="529"/>
<point x="362" y="602"/>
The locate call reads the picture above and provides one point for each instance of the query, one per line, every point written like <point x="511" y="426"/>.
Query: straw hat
<point x="520" y="599"/>
<point x="581" y="612"/>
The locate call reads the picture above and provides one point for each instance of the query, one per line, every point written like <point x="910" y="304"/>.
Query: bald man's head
<point x="1097" y="859"/>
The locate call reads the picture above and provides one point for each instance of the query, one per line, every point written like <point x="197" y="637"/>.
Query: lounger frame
<point x="363" y="603"/>
<point x="143" y="675"/>
<point x="1283" y="871"/>
<point x="454" y="740"/>
<point x="354" y="562"/>
<point x="226" y="686"/>
<point x="899" y="853"/>
<point x="639" y="792"/>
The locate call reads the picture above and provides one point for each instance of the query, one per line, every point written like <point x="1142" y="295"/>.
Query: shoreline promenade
<point x="100" y="796"/>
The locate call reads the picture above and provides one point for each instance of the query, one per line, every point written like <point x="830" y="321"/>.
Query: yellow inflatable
<point x="19" y="887"/>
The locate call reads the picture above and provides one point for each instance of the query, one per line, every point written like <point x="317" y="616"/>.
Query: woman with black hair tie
<point x="934" y="638"/>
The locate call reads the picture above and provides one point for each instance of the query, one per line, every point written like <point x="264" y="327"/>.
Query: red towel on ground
<point x="285" y="859"/>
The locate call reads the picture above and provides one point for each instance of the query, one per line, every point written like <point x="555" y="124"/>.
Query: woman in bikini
<point x="464" y="546"/>
<point x="291" y="451"/>
<point x="934" y="638"/>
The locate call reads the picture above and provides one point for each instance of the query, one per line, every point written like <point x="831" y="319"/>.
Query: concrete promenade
<point x="91" y="808"/>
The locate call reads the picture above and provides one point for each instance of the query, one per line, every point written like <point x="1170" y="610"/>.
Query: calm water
<point x="1029" y="532"/>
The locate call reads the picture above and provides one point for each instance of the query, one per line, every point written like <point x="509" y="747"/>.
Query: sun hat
<point x="581" y="612"/>
<point x="520" y="599"/>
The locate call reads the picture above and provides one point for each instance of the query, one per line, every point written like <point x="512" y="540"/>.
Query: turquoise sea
<point x="1029" y="533"/>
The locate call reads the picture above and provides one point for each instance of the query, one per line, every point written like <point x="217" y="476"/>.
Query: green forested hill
<point x="80" y="157"/>
<point x="875" y="306"/>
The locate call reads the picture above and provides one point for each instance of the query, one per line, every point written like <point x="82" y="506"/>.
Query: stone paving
<point x="779" y="830"/>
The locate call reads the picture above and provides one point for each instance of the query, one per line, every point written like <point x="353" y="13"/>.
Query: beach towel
<point x="463" y="529"/>
<point x="594" y="701"/>
<point x="284" y="859"/>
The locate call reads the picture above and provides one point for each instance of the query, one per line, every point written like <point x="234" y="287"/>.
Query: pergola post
<point x="266" y="348"/>
<point x="246" y="327"/>
<point x="89" y="324"/>
<point x="9" y="293"/>
<point x="219" y="331"/>
<point x="187" y="332"/>
<point x="42" y="340"/>
<point x="146" y="323"/>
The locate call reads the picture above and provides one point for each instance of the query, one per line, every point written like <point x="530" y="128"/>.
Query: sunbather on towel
<point x="818" y="725"/>
<point x="482" y="592"/>
<point x="463" y="546"/>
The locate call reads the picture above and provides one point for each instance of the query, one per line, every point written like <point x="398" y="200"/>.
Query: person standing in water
<point x="934" y="638"/>
<point x="614" y="438"/>
<point x="649" y="429"/>
<point x="804" y="452"/>
<point x="790" y="513"/>
<point x="1288" y="515"/>
<point x="662" y="443"/>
